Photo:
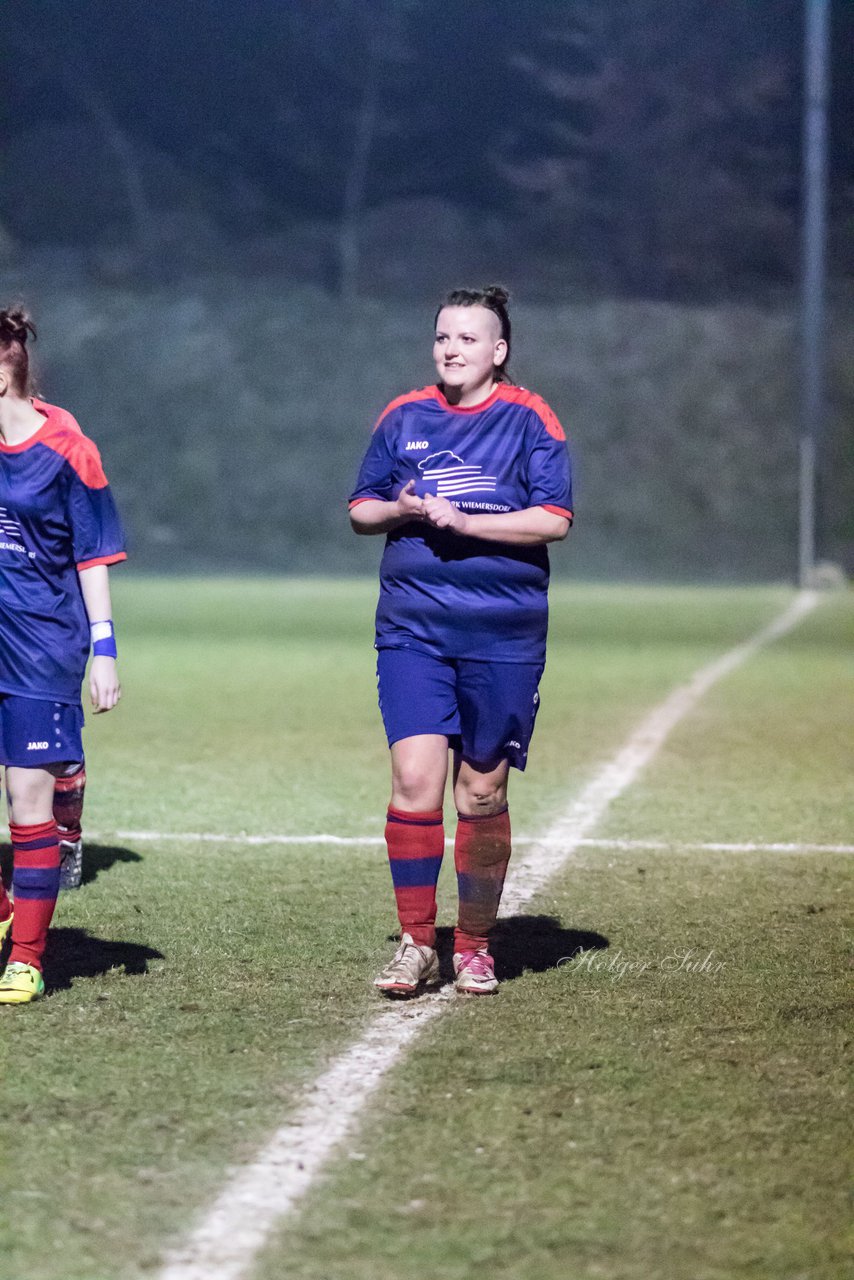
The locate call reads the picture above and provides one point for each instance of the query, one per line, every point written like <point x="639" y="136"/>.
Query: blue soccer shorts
<point x="486" y="710"/>
<point x="35" y="734"/>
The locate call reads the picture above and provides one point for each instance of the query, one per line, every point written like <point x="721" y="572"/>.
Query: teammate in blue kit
<point x="469" y="479"/>
<point x="59" y="532"/>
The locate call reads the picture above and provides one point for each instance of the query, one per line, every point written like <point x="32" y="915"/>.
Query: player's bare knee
<point x="480" y="800"/>
<point x="29" y="799"/>
<point x="414" y="789"/>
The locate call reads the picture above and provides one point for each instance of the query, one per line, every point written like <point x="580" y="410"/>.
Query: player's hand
<point x="409" y="504"/>
<point x="104" y="686"/>
<point x="442" y="514"/>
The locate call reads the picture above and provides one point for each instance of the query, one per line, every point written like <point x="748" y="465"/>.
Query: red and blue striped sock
<point x="35" y="886"/>
<point x="68" y="804"/>
<point x="416" y="843"/>
<point x="481" y="855"/>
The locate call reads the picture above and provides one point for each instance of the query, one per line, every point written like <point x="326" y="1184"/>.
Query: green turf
<point x="671" y="1105"/>
<point x="768" y="755"/>
<point x="198" y="987"/>
<point x="608" y="1122"/>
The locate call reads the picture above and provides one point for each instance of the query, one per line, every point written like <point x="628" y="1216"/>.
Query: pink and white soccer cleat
<point x="475" y="973"/>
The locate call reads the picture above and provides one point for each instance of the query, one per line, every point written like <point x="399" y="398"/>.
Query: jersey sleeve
<point x="376" y="474"/>
<point x="96" y="529"/>
<point x="549" y="469"/>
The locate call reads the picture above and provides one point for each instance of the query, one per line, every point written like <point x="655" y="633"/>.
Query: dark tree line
<point x="657" y="138"/>
<point x="649" y="146"/>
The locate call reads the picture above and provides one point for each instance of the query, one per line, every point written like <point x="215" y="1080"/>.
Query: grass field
<point x="614" y="1116"/>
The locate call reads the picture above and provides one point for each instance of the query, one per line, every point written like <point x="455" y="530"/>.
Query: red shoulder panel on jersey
<point x="518" y="395"/>
<point x="80" y="452"/>
<point x="56" y="416"/>
<point x="426" y="393"/>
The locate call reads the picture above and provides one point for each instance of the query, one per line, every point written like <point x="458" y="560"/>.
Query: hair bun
<point x="15" y="325"/>
<point x="497" y="293"/>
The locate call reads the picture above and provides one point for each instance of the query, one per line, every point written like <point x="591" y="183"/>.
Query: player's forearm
<point x="95" y="589"/>
<point x="519" y="528"/>
<point x="375" y="516"/>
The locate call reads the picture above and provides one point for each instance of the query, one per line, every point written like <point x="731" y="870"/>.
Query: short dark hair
<point x="495" y="299"/>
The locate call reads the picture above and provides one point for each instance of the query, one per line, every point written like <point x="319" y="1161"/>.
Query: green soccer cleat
<point x="20" y="984"/>
<point x="5" y="926"/>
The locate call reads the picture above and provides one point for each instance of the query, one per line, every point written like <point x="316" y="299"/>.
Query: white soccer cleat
<point x="410" y="970"/>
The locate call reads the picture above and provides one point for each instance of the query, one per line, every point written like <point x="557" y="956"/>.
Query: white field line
<point x="257" y="1196"/>
<point x="616" y="844"/>
<point x="715" y="846"/>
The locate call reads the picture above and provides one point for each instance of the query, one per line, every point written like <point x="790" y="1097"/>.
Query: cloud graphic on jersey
<point x="453" y="478"/>
<point x="443" y="453"/>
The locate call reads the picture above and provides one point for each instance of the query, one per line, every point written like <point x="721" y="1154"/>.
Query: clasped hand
<point x="434" y="510"/>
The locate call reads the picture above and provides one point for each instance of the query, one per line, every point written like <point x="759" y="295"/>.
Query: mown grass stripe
<point x="258" y="1196"/>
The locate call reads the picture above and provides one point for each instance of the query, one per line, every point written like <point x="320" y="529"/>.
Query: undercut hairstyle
<point x="495" y="299"/>
<point x="16" y="329"/>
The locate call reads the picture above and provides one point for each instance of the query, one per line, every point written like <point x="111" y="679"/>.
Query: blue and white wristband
<point x="103" y="640"/>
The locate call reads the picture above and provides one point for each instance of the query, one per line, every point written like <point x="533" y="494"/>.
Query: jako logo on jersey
<point x="511" y="743"/>
<point x="453" y="477"/>
<point x="37" y="746"/>
<point x="417" y="444"/>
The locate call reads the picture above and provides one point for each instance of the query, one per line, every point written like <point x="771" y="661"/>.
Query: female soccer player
<point x="59" y="531"/>
<point x="469" y="480"/>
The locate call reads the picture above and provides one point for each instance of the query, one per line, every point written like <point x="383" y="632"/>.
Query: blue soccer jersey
<point x="461" y="597"/>
<point x="57" y="516"/>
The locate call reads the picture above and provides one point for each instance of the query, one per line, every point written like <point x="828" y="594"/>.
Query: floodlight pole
<point x="812" y="307"/>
